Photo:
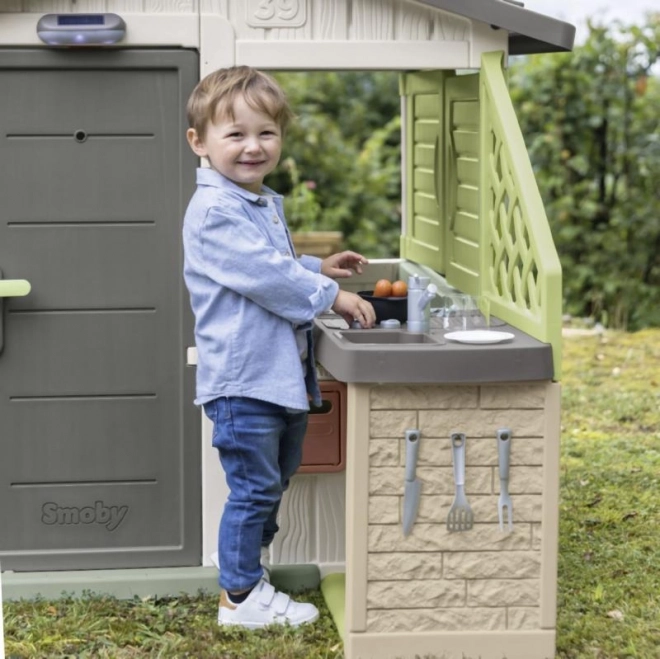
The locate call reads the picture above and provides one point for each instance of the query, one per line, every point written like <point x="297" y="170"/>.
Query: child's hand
<point x="341" y="264"/>
<point x="352" y="307"/>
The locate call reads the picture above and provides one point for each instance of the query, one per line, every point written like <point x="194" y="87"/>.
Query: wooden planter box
<point x="317" y="243"/>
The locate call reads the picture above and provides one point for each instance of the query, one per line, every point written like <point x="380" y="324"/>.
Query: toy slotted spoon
<point x="460" y="516"/>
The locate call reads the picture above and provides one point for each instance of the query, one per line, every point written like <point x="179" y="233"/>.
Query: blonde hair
<point x="214" y="97"/>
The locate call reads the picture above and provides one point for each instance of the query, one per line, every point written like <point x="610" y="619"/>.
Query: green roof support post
<point x="520" y="268"/>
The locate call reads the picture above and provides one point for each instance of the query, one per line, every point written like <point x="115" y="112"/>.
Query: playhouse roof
<point x="529" y="31"/>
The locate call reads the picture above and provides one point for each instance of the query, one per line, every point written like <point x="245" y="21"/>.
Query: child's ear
<point x="195" y="143"/>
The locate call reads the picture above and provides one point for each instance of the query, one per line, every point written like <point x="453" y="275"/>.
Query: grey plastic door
<point x="99" y="438"/>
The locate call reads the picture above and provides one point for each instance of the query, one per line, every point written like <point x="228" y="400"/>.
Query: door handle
<point x="10" y="288"/>
<point x="14" y="287"/>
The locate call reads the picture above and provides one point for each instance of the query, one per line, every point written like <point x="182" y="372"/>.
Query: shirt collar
<point x="209" y="176"/>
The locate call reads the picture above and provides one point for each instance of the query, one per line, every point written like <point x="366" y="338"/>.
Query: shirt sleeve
<point x="311" y="263"/>
<point x="239" y="257"/>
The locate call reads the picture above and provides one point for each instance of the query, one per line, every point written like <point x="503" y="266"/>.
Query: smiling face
<point x="244" y="147"/>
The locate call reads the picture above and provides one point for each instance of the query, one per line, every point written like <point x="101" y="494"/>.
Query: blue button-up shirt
<point x="250" y="295"/>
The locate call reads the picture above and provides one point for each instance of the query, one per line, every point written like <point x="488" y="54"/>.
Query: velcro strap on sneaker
<point x="266" y="595"/>
<point x="281" y="603"/>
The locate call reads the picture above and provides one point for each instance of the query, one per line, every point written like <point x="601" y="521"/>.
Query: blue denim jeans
<point x="260" y="447"/>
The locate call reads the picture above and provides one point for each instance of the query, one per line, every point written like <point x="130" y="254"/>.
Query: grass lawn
<point x="609" y="573"/>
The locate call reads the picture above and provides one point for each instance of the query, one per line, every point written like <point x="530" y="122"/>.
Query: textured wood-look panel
<point x="114" y="6"/>
<point x="295" y="542"/>
<point x="414" y="23"/>
<point x="312" y="521"/>
<point x="331" y="518"/>
<point x="373" y="20"/>
<point x="330" y="20"/>
<point x="220" y="7"/>
<point x="447" y="27"/>
<point x="123" y="6"/>
<point x="169" y="6"/>
<point x="47" y="6"/>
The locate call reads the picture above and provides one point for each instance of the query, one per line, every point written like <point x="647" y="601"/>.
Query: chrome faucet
<point x="420" y="294"/>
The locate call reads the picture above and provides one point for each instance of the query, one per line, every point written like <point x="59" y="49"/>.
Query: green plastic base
<point x="333" y="587"/>
<point x="127" y="584"/>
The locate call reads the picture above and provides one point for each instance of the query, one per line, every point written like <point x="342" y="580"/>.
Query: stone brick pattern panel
<point x="482" y="579"/>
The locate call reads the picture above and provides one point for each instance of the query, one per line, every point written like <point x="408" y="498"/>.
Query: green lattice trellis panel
<point x="520" y="270"/>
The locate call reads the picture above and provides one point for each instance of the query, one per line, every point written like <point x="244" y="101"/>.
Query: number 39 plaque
<point x="276" y="13"/>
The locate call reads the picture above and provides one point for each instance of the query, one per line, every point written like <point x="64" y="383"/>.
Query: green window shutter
<point x="461" y="181"/>
<point x="423" y="241"/>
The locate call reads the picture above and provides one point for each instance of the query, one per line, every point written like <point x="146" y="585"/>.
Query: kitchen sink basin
<point x="385" y="337"/>
<point x="397" y="355"/>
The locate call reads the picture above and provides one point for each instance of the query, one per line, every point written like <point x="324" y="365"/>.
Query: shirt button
<point x="286" y="252"/>
<point x="275" y="219"/>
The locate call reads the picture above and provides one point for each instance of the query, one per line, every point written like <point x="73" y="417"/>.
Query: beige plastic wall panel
<point x="416" y="22"/>
<point x="357" y="498"/>
<point x="394" y="19"/>
<point x="295" y="542"/>
<point x="331" y="519"/>
<point x="217" y="44"/>
<point x="373" y="19"/>
<point x="451" y="27"/>
<point x="484" y="591"/>
<point x="550" y="535"/>
<point x="312" y="521"/>
<point x="338" y="20"/>
<point x="485" y="39"/>
<point x="147" y="6"/>
<point x="350" y="55"/>
<point x="255" y="19"/>
<point x="91" y="6"/>
<point x="330" y="20"/>
<point x="455" y="645"/>
<point x="214" y="6"/>
<point x="144" y="29"/>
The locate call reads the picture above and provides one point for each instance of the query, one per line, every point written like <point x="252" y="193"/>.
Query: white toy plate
<point x="479" y="336"/>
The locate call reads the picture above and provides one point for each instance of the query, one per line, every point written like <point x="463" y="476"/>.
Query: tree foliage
<point x="590" y="119"/>
<point x="341" y="160"/>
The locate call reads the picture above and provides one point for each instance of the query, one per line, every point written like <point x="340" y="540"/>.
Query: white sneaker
<point x="265" y="606"/>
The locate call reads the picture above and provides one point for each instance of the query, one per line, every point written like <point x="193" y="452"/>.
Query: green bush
<point x="590" y="119"/>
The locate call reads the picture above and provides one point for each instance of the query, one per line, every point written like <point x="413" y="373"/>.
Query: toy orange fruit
<point x="383" y="288"/>
<point x="399" y="289"/>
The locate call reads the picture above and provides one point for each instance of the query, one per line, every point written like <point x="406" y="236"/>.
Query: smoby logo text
<point x="109" y="516"/>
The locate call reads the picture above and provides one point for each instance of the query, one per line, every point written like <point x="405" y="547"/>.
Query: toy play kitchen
<point x="427" y="505"/>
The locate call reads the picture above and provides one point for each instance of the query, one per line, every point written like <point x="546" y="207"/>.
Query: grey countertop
<point x="434" y="359"/>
